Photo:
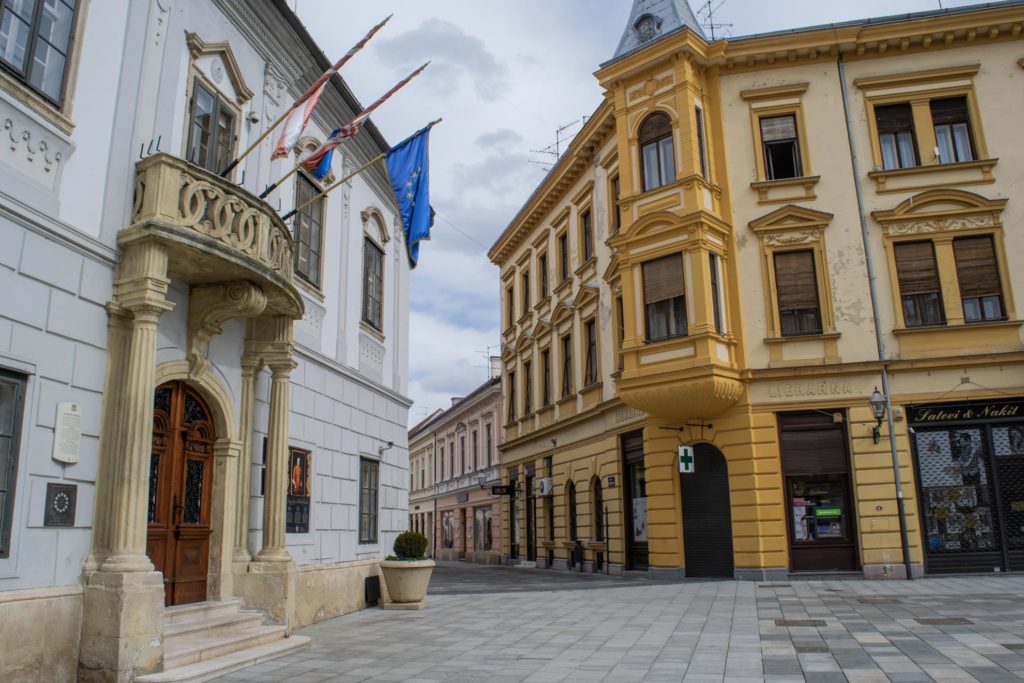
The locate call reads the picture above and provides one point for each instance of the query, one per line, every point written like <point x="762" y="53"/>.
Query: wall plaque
<point x="299" y="489"/>
<point x="60" y="504"/>
<point x="67" y="432"/>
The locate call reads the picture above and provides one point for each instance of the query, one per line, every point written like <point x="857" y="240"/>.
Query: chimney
<point x="495" y="366"/>
<point x="456" y="399"/>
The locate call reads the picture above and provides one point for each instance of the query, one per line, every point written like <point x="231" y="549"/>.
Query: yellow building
<point x="749" y="240"/>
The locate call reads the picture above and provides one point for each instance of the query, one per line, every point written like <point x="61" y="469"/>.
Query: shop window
<point x="664" y="298"/>
<point x="369" y="471"/>
<point x="483" y="532"/>
<point x="12" y="400"/>
<point x="978" y="275"/>
<point x="587" y="235"/>
<point x="716" y="292"/>
<point x="781" y="147"/>
<point x="590" y="369"/>
<point x="952" y="130"/>
<point x="373" y="284"/>
<point x="448" y="528"/>
<point x="35" y="41"/>
<point x="545" y="363"/>
<point x="511" y="408"/>
<point x="527" y="388"/>
<point x="920" y="290"/>
<point x="308" y="229"/>
<point x="797" y="290"/>
<point x="566" y="366"/>
<point x="211" y="129"/>
<point x="896" y="135"/>
<point x="657" y="153"/>
<point x="299" y="491"/>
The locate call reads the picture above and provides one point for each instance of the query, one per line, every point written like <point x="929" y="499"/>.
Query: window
<point x="656" y="152"/>
<point x="441" y="463"/>
<point x="587" y="232"/>
<point x="488" y="444"/>
<point x="896" y="135"/>
<point x="542" y="265"/>
<point x="527" y="388"/>
<point x="211" y="130"/>
<point x="545" y="364"/>
<point x="781" y="149"/>
<point x="797" y="289"/>
<point x="978" y="275"/>
<point x="476" y="450"/>
<point x="920" y="291"/>
<point x="616" y="206"/>
<point x="35" y="39"/>
<point x="12" y="399"/>
<point x="566" y="365"/>
<point x="952" y="130"/>
<point x="511" y="415"/>
<point x="570" y="504"/>
<point x="563" y="257"/>
<point x="483" y="532"/>
<point x="590" y="373"/>
<point x="620" y="330"/>
<point x="451" y="461"/>
<point x="526" y="291"/>
<point x="462" y="453"/>
<point x="510" y="307"/>
<point x="664" y="298"/>
<point x="598" y="498"/>
<point x="308" y="230"/>
<point x="368" y="485"/>
<point x="702" y="149"/>
<point x="448" y="528"/>
<point x="716" y="292"/>
<point x="373" y="284"/>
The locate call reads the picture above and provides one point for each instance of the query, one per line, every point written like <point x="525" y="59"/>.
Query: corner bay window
<point x="664" y="298"/>
<point x="308" y="230"/>
<point x="35" y="39"/>
<point x="952" y="130"/>
<point x="657" y="154"/>
<point x="373" y="284"/>
<point x="368" y="487"/>
<point x="978" y="275"/>
<point x="797" y="290"/>
<point x="896" y="136"/>
<point x="211" y="130"/>
<point x="920" y="291"/>
<point x="716" y="292"/>
<point x="781" y="148"/>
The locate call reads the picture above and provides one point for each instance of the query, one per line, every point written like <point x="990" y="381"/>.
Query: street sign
<point x="686" y="459"/>
<point x="502" y="490"/>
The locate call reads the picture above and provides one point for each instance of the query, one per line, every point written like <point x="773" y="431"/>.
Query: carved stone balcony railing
<point x="214" y="230"/>
<point x="469" y="481"/>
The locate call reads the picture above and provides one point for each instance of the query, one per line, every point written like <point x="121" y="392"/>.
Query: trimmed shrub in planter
<point x="408" y="576"/>
<point x="410" y="545"/>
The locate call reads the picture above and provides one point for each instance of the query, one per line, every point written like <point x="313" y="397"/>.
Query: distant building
<point x="422" y="507"/>
<point x="693" y="272"/>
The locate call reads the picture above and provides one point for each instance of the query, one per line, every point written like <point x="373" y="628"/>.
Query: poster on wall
<point x="299" y="490"/>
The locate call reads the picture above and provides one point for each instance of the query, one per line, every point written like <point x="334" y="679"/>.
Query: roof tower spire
<point x="651" y="19"/>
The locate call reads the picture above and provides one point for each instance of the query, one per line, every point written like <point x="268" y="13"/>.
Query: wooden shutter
<point x="795" y="283"/>
<point x="949" y="111"/>
<point x="656" y="126"/>
<point x="777" y="128"/>
<point x="915" y="268"/>
<point x="976" y="267"/>
<point x="894" y="118"/>
<point x="663" y="278"/>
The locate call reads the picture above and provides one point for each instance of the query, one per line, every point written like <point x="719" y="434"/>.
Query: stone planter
<point x="406" y="582"/>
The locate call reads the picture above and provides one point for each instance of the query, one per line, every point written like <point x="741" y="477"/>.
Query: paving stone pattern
<point x="935" y="629"/>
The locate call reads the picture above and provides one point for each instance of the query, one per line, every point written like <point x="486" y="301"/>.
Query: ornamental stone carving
<point x="210" y="306"/>
<point x="950" y="224"/>
<point x="785" y="239"/>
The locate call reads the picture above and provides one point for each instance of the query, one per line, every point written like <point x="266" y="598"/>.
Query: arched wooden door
<point x="180" y="488"/>
<point x="707" y="518"/>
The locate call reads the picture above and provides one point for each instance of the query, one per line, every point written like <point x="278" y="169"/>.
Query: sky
<point x="504" y="76"/>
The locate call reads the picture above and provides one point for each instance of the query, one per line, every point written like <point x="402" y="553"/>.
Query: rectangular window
<point x="373" y="284"/>
<point x="664" y="298"/>
<point x="952" y="130"/>
<point x="896" y="135"/>
<point x="511" y="412"/>
<point x="308" y="230"/>
<point x="781" y="149"/>
<point x="542" y="265"/>
<point x="510" y="307"/>
<point x="566" y="365"/>
<point x="620" y="329"/>
<point x="526" y="291"/>
<point x="545" y="360"/>
<point x="488" y="443"/>
<point x="563" y="257"/>
<point x="12" y="400"/>
<point x="616" y="207"/>
<point x="483" y="531"/>
<point x="797" y="289"/>
<point x="587" y="232"/>
<point x="35" y="39"/>
<point x="701" y="144"/>
<point x="369" y="472"/>
<point x="441" y="463"/>
<point x="527" y="388"/>
<point x="211" y="130"/>
<point x="978" y="274"/>
<point x="451" y="461"/>
<point x="462" y="454"/>
<point x="716" y="292"/>
<point x="590" y="374"/>
<point x="476" y="450"/>
<point x="920" y="291"/>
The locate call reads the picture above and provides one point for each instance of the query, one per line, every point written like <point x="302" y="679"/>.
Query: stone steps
<point x="221" y="666"/>
<point x="182" y="632"/>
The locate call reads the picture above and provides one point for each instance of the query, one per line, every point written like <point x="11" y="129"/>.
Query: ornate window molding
<point x="783" y="100"/>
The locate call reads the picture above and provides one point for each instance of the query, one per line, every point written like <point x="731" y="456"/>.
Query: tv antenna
<point x="486" y="353"/>
<point x="554" y="149"/>
<point x="706" y="14"/>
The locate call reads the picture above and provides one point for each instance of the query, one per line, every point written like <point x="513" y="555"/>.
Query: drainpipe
<point x="879" y="341"/>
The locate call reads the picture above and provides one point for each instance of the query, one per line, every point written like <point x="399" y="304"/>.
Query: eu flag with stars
<point x="408" y="165"/>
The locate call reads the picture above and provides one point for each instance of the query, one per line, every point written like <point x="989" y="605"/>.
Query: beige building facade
<point x="759" y="232"/>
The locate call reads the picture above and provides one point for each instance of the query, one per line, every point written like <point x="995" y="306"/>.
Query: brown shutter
<point x="976" y="267"/>
<point x="778" y="128"/>
<point x="949" y="111"/>
<point x="663" y="278"/>
<point x="894" y="118"/>
<point x="794" y="280"/>
<point x="915" y="268"/>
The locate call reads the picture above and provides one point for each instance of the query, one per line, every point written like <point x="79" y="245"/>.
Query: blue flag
<point x="408" y="166"/>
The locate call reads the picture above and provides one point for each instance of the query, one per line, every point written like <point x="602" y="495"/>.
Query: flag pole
<point x="347" y="178"/>
<point x="305" y="96"/>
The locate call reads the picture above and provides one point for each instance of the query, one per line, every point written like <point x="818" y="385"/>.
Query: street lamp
<point x="482" y="480"/>
<point x="877" y="403"/>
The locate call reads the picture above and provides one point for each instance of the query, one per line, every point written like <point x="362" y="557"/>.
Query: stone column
<point x="275" y="499"/>
<point x="251" y="366"/>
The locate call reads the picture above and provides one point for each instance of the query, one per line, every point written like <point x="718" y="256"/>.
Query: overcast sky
<point x="505" y="75"/>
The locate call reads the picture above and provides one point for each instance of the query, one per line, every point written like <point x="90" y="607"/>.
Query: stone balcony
<point x="214" y="231"/>
<point x="469" y="481"/>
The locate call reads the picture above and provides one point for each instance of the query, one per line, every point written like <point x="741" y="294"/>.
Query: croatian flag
<point x="296" y="123"/>
<point x="318" y="164"/>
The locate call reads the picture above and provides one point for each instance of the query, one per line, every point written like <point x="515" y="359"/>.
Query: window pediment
<point x="523" y="342"/>
<point x="791" y="218"/>
<point x="216" y="60"/>
<point x="563" y="311"/>
<point x="542" y="327"/>
<point x="586" y="295"/>
<point x="944" y="210"/>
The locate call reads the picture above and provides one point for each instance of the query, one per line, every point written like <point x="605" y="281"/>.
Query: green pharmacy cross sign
<point x="686" y="460"/>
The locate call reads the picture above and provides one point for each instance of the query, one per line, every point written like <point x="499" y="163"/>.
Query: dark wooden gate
<point x="634" y="492"/>
<point x="180" y="490"/>
<point x="707" y="518"/>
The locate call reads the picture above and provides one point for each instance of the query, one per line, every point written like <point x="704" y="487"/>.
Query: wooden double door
<point x="180" y="491"/>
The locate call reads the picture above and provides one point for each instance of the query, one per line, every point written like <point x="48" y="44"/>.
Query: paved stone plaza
<point x="482" y="625"/>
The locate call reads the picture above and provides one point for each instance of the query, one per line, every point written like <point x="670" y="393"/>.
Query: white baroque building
<point x="202" y="408"/>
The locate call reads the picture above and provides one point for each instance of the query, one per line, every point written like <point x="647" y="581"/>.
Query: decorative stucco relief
<point x="785" y="239"/>
<point x="31" y="148"/>
<point x="941" y="225"/>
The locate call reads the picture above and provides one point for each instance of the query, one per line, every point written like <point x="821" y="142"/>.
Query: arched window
<point x="570" y="504"/>
<point x="598" y="498"/>
<point x="657" y="154"/>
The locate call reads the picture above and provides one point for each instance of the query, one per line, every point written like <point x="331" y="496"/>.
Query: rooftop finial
<point x="651" y="19"/>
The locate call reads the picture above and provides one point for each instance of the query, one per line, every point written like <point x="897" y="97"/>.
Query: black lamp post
<point x="877" y="403"/>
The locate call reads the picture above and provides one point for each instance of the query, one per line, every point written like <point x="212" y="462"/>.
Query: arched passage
<point x="707" y="520"/>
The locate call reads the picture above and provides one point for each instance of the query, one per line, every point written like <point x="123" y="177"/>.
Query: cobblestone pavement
<point x="941" y="629"/>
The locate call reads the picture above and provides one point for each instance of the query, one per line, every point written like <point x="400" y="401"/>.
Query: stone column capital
<point x="280" y="366"/>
